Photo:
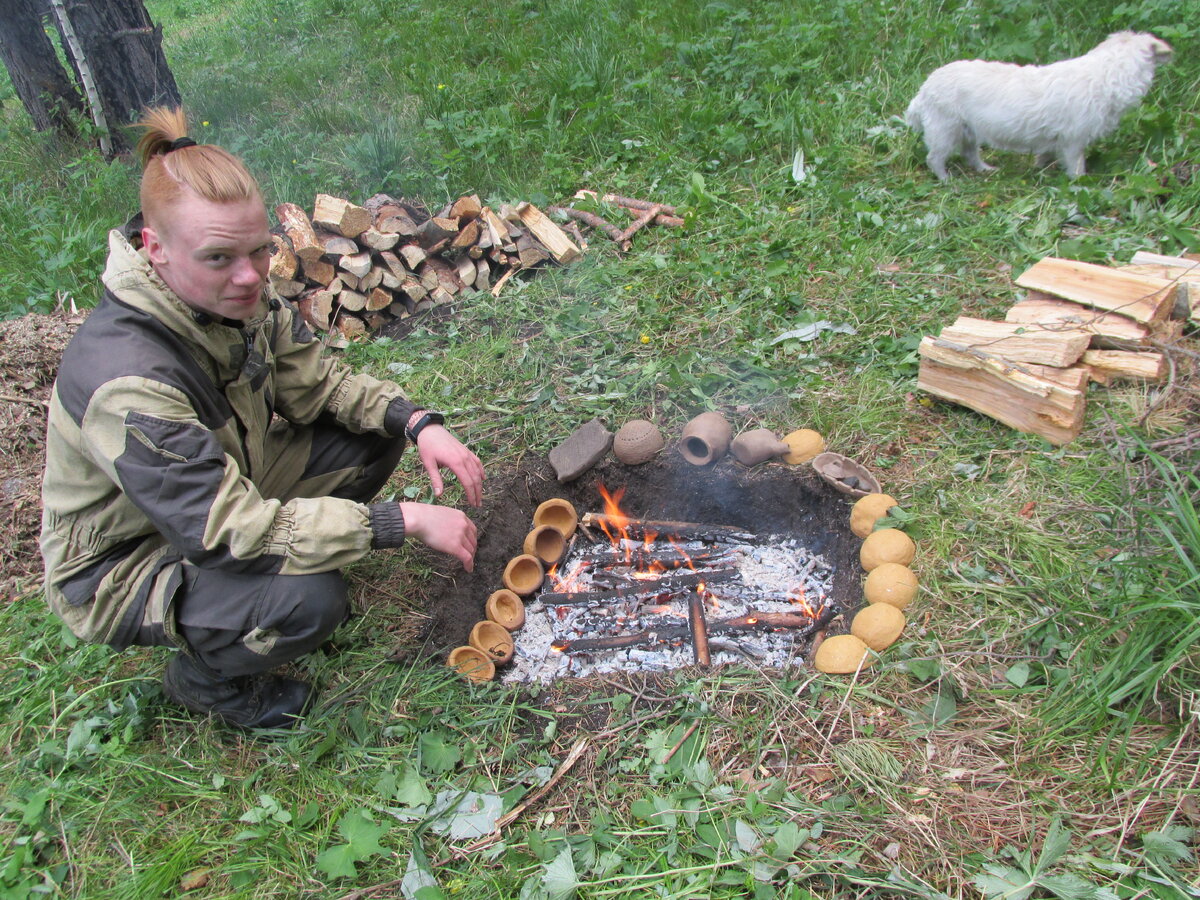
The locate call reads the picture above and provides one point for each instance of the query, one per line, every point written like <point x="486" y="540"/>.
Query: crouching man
<point x="208" y="468"/>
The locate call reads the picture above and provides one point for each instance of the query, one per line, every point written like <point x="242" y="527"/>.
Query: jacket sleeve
<point x="309" y="383"/>
<point x="148" y="439"/>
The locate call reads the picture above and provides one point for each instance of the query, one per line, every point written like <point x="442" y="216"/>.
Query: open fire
<point x="656" y="595"/>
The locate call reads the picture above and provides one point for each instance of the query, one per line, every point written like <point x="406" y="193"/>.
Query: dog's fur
<point x="1054" y="111"/>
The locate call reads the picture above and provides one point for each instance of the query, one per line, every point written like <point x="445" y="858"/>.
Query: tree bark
<point x="40" y="82"/>
<point x="123" y="48"/>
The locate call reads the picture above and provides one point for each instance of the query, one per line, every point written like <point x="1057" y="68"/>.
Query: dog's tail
<point x="913" y="117"/>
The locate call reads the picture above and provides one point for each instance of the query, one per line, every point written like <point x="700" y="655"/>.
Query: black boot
<point x="255" y="701"/>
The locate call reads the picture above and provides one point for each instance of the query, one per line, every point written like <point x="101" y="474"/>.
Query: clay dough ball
<point x="842" y="655"/>
<point x="472" y="664"/>
<point x="890" y="583"/>
<point x="867" y="511"/>
<point x="804" y="444"/>
<point x="887" y="545"/>
<point x="636" y="442"/>
<point x="877" y="625"/>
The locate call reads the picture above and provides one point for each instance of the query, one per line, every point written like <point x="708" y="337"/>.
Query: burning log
<point x="654" y="559"/>
<point x="699" y="629"/>
<point x="684" y="531"/>
<point x="656" y="589"/>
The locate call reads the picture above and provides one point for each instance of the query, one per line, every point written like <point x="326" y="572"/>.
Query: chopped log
<point x="389" y="280"/>
<point x="414" y="290"/>
<point x="285" y="287"/>
<point x="378" y="299"/>
<point x="399" y="309"/>
<point x="413" y="256"/>
<point x="1073" y="378"/>
<point x="1145" y="257"/>
<point x="317" y="270"/>
<point x="447" y="274"/>
<point x="437" y="231"/>
<point x="484" y="241"/>
<point x="499" y="285"/>
<point x="1109" y="364"/>
<point x="1140" y="297"/>
<point x="499" y="257"/>
<point x="464" y="267"/>
<point x="298" y="227"/>
<point x="379" y="240"/>
<point x="395" y="220"/>
<point x="553" y="238"/>
<point x="428" y="276"/>
<point x="351" y="327"/>
<point x="530" y="252"/>
<point x="344" y="280"/>
<point x="358" y="264"/>
<point x="590" y="219"/>
<point x="1187" y="291"/>
<point x="1018" y="342"/>
<point x="315" y="307"/>
<point x="1106" y="329"/>
<point x="335" y="244"/>
<point x="392" y="261"/>
<point x="497" y="228"/>
<point x="483" y="275"/>
<point x="440" y="295"/>
<point x="466" y="208"/>
<point x="1005" y="391"/>
<point x="283" y="260"/>
<point x="372" y="279"/>
<point x="341" y="216"/>
<point x="355" y="301"/>
<point x="376" y="319"/>
<point x="466" y="237"/>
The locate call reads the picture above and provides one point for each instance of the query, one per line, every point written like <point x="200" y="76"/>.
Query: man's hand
<point x="439" y="448"/>
<point x="442" y="528"/>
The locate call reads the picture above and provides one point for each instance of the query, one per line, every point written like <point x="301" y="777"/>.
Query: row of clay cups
<point x="886" y="555"/>
<point x="491" y="643"/>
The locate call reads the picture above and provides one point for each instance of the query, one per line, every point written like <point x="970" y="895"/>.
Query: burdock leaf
<point x="559" y="877"/>
<point x="1004" y="883"/>
<point x="361" y="833"/>
<point x="412" y="790"/>
<point x="337" y="862"/>
<point x="438" y="753"/>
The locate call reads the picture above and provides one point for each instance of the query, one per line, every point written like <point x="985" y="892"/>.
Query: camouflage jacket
<point x="157" y="427"/>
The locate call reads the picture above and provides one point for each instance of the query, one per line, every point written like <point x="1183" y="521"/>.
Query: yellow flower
<point x="441" y="87"/>
<point x="645" y="339"/>
<point x="205" y="123"/>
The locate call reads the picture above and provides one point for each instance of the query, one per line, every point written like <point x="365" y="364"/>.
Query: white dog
<point x="1053" y="111"/>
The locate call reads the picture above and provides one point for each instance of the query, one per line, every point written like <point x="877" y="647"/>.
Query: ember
<point x="650" y="594"/>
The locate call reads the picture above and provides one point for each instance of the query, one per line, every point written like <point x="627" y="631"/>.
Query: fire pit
<point x="678" y="566"/>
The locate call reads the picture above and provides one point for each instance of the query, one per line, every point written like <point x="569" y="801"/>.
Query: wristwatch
<point x="422" y="417"/>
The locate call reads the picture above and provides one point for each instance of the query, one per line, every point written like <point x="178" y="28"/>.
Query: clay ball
<point x="637" y="441"/>
<point x="803" y="445"/>
<point x="890" y="583"/>
<point x="867" y="511"/>
<point x="842" y="655"/>
<point x="887" y="545"/>
<point x="877" y="625"/>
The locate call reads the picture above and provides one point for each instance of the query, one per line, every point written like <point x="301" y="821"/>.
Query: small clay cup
<point x="752" y="447"/>
<point x="705" y="439"/>
<point x="494" y="640"/>
<point x="557" y="512"/>
<point x="472" y="663"/>
<point x="524" y="574"/>
<point x="547" y="543"/>
<point x="505" y="608"/>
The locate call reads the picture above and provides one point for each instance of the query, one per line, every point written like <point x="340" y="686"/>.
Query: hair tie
<point x="179" y="144"/>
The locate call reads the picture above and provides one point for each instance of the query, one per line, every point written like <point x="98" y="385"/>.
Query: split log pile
<point x="351" y="269"/>
<point x="1077" y="323"/>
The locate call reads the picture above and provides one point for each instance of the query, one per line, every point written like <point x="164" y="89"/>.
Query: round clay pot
<point x="636" y="442"/>
<point x="524" y="574"/>
<point x="547" y="543"/>
<point x="705" y="439"/>
<point x="557" y="512"/>
<point x="505" y="608"/>
<point x="752" y="447"/>
<point x="494" y="640"/>
<point x="472" y="663"/>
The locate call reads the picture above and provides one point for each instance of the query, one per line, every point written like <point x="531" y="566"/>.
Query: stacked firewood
<point x="1077" y="323"/>
<point x="351" y="269"/>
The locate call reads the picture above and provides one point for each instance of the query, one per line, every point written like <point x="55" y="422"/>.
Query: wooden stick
<point x="634" y="203"/>
<point x="699" y="629"/>
<point x="638" y="224"/>
<point x="32" y="401"/>
<point x="588" y="218"/>
<point x="692" y="531"/>
<point x="499" y="284"/>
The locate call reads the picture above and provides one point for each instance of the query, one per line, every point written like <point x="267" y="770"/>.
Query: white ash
<point x="776" y="576"/>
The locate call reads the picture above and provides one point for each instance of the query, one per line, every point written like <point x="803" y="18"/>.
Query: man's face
<point x="214" y="256"/>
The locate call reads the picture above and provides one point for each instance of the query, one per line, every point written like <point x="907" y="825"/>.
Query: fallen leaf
<point x="821" y="774"/>
<point x="1027" y="509"/>
<point x="194" y="880"/>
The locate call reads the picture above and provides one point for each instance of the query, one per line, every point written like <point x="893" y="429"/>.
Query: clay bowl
<point x="506" y="609"/>
<point x="492" y="639"/>
<point x="557" y="512"/>
<point x="472" y="663"/>
<point x="547" y="543"/>
<point x="524" y="574"/>
<point x="845" y="475"/>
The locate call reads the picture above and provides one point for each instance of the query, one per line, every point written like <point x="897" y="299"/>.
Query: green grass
<point x="1045" y="671"/>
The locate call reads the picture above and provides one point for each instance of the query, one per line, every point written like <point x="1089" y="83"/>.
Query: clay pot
<point x="472" y="663"/>
<point x="557" y="512"/>
<point x="752" y="447"/>
<point x="636" y="442"/>
<point x="705" y="439"/>
<point x="524" y="574"/>
<point x="547" y="543"/>
<point x="494" y="640"/>
<point x="505" y="608"/>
